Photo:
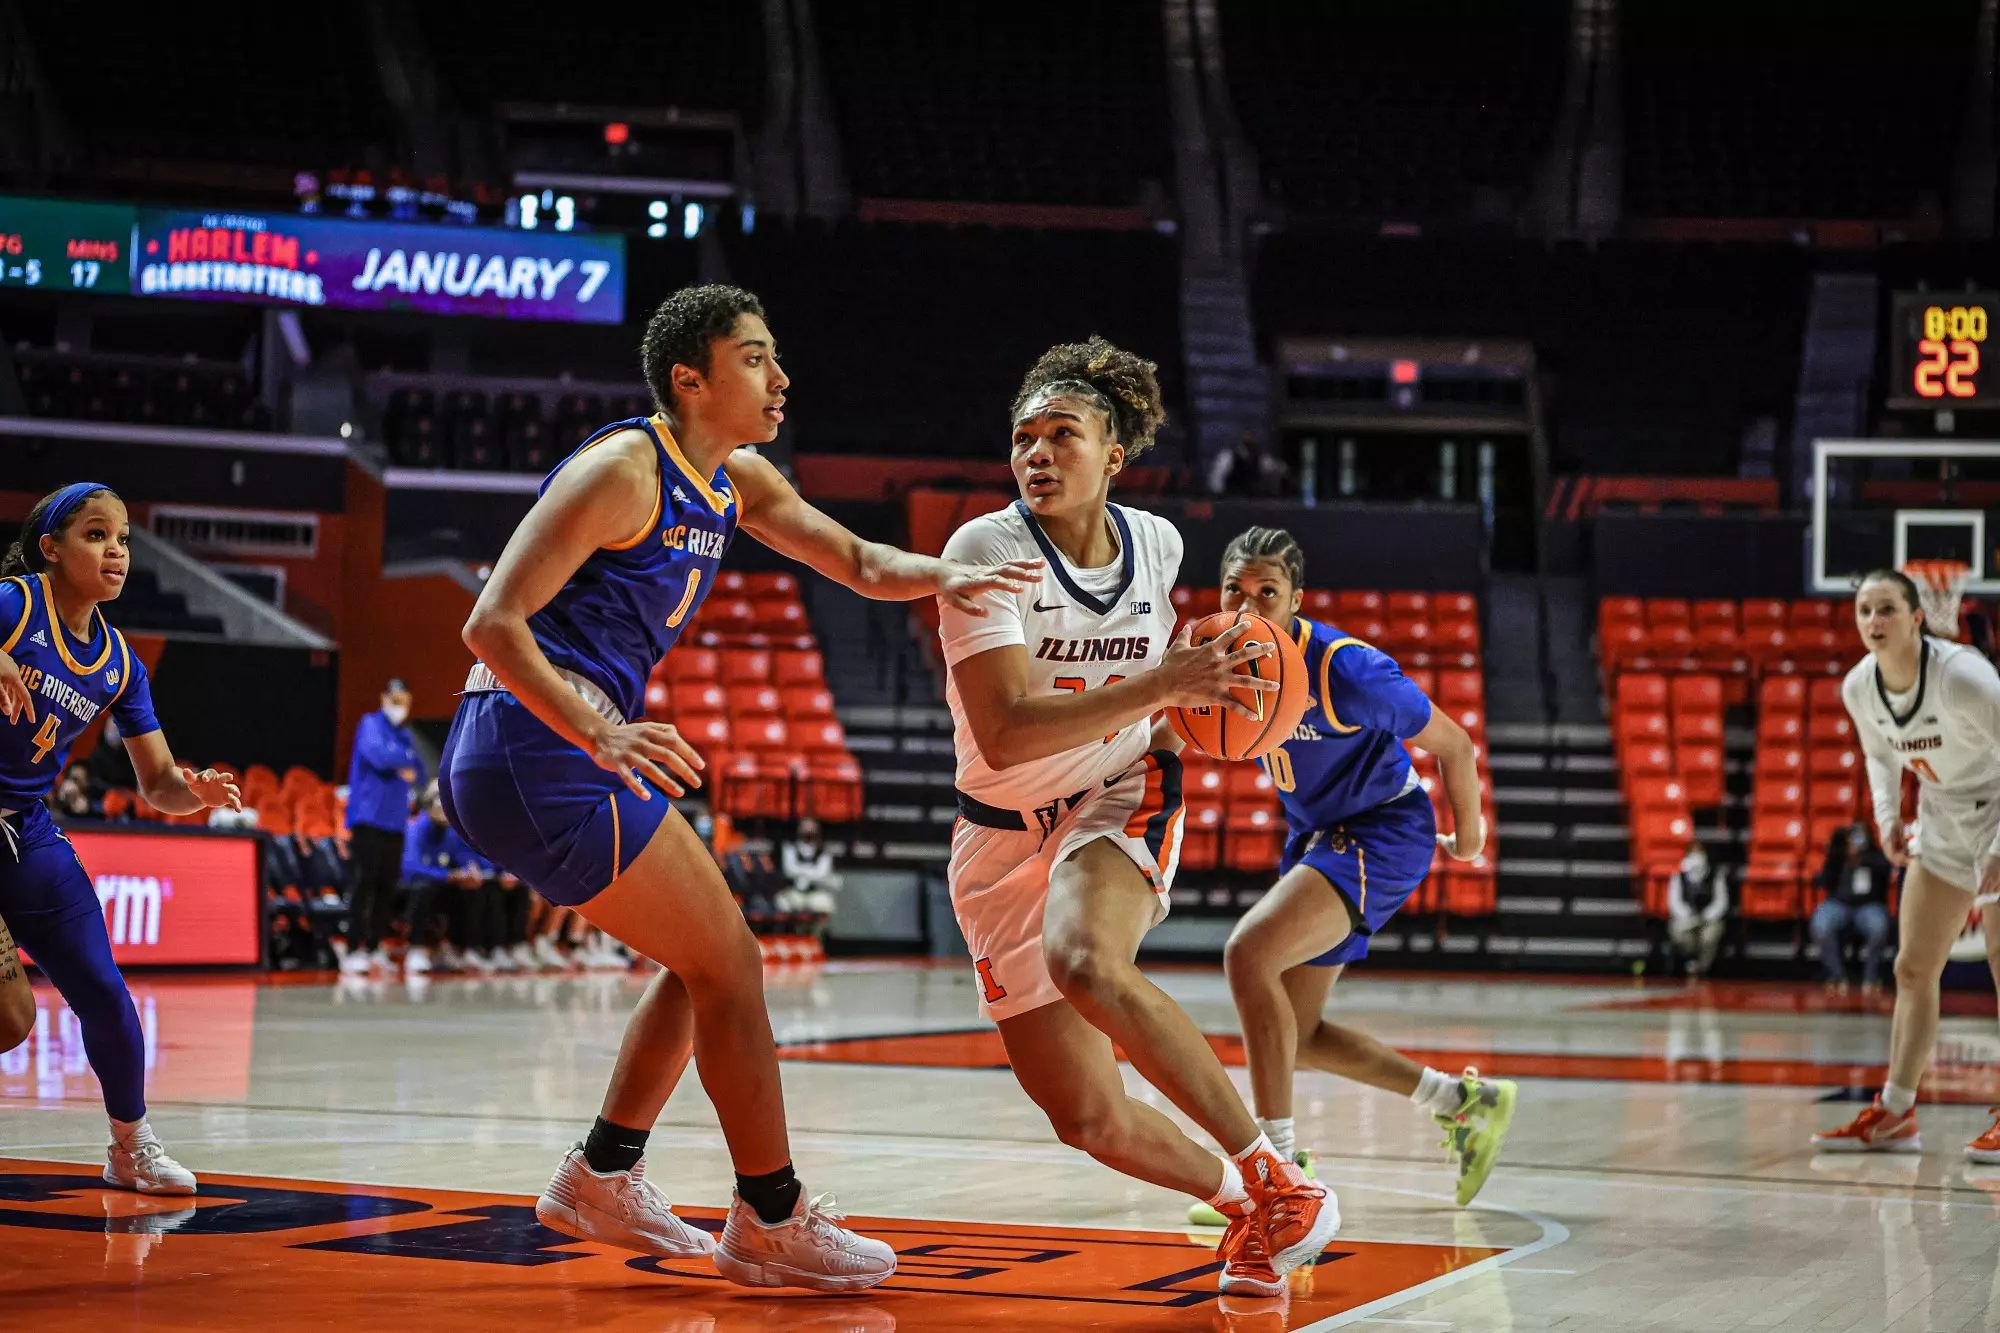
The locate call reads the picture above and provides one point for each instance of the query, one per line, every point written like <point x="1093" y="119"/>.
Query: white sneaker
<point x="144" y="1166"/>
<point x="524" y="958"/>
<point x="417" y="961"/>
<point x="449" y="959"/>
<point x="480" y="963"/>
<point x="354" y="964"/>
<point x="379" y="960"/>
<point x="620" y="1209"/>
<point x="548" y="955"/>
<point x="808" y="1249"/>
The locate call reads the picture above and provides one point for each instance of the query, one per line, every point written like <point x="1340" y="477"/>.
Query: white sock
<point x="1262" y="1143"/>
<point x="1898" y="1100"/>
<point x="1280" y="1132"/>
<point x="1229" y="1200"/>
<point x="1438" y="1093"/>
<point x="130" y="1134"/>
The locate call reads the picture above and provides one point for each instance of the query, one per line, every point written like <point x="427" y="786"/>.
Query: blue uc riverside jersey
<point x="71" y="682"/>
<point x="1347" y="755"/>
<point x="624" y="608"/>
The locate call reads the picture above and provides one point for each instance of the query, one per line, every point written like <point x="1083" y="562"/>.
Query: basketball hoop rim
<point x="1940" y="588"/>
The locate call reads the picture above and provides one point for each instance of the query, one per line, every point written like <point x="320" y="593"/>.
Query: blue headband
<point x="60" y="506"/>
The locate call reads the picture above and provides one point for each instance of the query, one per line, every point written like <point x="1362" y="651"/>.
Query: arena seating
<point x="848" y="298"/>
<point x="1652" y="358"/>
<point x="1233" y="819"/>
<point x="747" y="687"/>
<point x="146" y="391"/>
<point x="302" y="86"/>
<point x="1039" y="101"/>
<point x="714" y="57"/>
<point x="1387" y="109"/>
<point x="502" y="432"/>
<point x="1740" y="110"/>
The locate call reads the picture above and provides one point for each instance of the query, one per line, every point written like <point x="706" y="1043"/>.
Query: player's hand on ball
<point x="15" y="702"/>
<point x="1460" y="848"/>
<point x="1204" y="675"/>
<point x="1895" y="843"/>
<point x="962" y="585"/>
<point x="643" y="752"/>
<point x="214" y="788"/>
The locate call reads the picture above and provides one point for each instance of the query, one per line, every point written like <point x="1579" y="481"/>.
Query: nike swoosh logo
<point x="1057" y="607"/>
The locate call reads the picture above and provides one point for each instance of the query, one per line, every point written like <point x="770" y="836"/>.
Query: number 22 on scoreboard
<point x="1946" y="368"/>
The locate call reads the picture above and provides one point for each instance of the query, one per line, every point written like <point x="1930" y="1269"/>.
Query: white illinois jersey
<point x="1083" y="628"/>
<point x="1946" y="729"/>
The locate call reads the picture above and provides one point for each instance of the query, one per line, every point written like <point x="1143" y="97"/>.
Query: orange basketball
<point x="1216" y="731"/>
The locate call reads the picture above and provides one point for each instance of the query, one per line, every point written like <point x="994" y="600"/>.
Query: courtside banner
<point x="286" y="259"/>
<point x="175" y="899"/>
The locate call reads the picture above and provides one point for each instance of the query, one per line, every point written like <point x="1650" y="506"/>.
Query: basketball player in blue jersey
<point x="552" y="773"/>
<point x="61" y="666"/>
<point x="1361" y="833"/>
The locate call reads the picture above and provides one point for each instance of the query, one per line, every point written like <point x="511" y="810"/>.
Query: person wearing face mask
<point x="1697" y="903"/>
<point x="1855" y="880"/>
<point x="384" y="771"/>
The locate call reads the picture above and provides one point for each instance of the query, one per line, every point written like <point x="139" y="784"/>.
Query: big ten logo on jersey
<point x="131" y="906"/>
<point x="1119" y="648"/>
<point x="693" y="540"/>
<point x="1142" y="608"/>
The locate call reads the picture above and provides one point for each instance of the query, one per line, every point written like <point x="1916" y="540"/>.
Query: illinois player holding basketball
<point x="1361" y="835"/>
<point x="60" y="666"/>
<point x="551" y="773"/>
<point x="1070" y="810"/>
<point x="1931" y="707"/>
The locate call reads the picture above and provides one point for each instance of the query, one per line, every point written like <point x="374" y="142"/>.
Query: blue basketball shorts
<point x="1375" y="860"/>
<point x="536" y="806"/>
<point x="41" y="881"/>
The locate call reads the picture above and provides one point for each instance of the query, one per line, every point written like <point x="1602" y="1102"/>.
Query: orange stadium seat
<point x="1764" y="611"/>
<point x="1698" y="727"/>
<point x="792" y="666"/>
<point x="685" y="663"/>
<point x="1649" y="760"/>
<point x="705" y="696"/>
<point x="707" y="732"/>
<point x="727" y="613"/>
<point x="1786" y="796"/>
<point x="1254" y="840"/>
<point x="1657" y="793"/>
<point x="1668" y="611"/>
<point x="1408" y="605"/>
<point x="1201" y="837"/>
<point x="1825" y="697"/>
<point x="1690" y="693"/>
<point x="1783" y="761"/>
<point x="1834" y="761"/>
<point x="802" y="702"/>
<point x="770" y="585"/>
<point x="745" y="666"/>
<point x="1641" y="726"/>
<point x="659" y="700"/>
<point x="1319" y="604"/>
<point x="1781" y="694"/>
<point x="752" y="701"/>
<point x="1361" y="601"/>
<point x="1617" y="610"/>
<point x="1833" y="797"/>
<point x="833" y="789"/>
<point x="820" y="735"/>
<point x="1206" y="782"/>
<point x="1460" y="687"/>
<point x="1424" y="679"/>
<point x="1700" y="768"/>
<point x="1454" y="606"/>
<point x="1830" y="729"/>
<point x="1639" y="690"/>
<point x="1781" y="728"/>
<point x="1810" y="613"/>
<point x="1248" y="785"/>
<point x="1715" y="612"/>
<point x="763" y="733"/>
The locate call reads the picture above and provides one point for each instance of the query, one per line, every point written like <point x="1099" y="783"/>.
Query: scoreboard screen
<point x="57" y="245"/>
<point x="1938" y="348"/>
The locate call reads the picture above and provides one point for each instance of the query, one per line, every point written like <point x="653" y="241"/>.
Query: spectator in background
<point x="384" y="771"/>
<point x="436" y="861"/>
<point x="1855" y="880"/>
<point x="109" y="767"/>
<point x="1697" y="903"/>
<point x="71" y="799"/>
<point x="808" y="869"/>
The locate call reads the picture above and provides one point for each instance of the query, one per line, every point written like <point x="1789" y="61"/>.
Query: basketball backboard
<point x="1879" y="503"/>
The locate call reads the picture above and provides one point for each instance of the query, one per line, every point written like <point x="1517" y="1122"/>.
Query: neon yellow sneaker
<point x="1201" y="1215"/>
<point x="1472" y="1136"/>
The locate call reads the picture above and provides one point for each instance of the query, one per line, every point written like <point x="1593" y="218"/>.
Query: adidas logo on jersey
<point x="680" y="496"/>
<point x="39" y="639"/>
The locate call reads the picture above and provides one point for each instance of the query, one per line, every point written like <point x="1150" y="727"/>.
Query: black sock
<point x="613" y="1147"/>
<point x="773" y="1196"/>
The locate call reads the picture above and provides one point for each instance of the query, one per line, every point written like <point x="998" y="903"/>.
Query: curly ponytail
<point x="1122" y="384"/>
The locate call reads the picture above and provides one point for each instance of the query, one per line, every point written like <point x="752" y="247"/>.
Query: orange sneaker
<point x="1876" y="1129"/>
<point x="1986" y="1148"/>
<point x="1299" y="1215"/>
<point x="1246" y="1266"/>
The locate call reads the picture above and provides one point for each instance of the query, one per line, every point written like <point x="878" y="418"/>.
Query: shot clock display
<point x="62" y="246"/>
<point x="1938" y="346"/>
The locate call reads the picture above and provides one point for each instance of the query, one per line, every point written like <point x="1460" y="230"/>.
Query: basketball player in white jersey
<point x="1070" y="811"/>
<point x="1932" y="707"/>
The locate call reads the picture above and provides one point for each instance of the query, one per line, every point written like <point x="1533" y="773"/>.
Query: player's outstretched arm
<point x="771" y="510"/>
<point x="1013" y="727"/>
<point x="1459" y="762"/>
<point x="174" y="789"/>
